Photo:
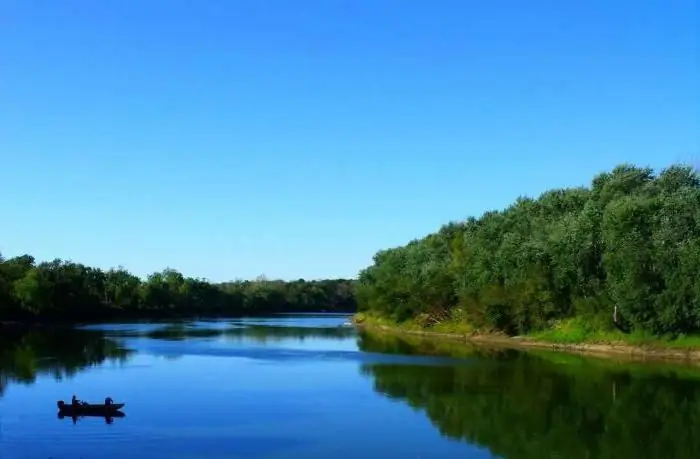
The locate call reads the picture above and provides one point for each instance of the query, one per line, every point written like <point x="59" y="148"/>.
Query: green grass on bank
<point x="577" y="331"/>
<point x="569" y="331"/>
<point x="451" y="326"/>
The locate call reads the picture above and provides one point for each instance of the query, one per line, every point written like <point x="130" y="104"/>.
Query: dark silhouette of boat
<point x="90" y="409"/>
<point x="109" y="418"/>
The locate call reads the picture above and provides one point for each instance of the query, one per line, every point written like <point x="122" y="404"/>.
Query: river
<point x="308" y="386"/>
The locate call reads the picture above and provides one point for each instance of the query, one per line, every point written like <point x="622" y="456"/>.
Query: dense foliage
<point x="63" y="290"/>
<point x="523" y="406"/>
<point x="628" y="246"/>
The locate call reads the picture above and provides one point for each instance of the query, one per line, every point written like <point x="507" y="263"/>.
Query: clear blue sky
<point x="228" y="139"/>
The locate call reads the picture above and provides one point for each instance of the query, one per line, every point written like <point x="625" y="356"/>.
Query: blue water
<point x="228" y="397"/>
<point x="309" y="386"/>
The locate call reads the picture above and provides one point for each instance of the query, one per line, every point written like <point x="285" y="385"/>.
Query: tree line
<point x="623" y="252"/>
<point x="68" y="291"/>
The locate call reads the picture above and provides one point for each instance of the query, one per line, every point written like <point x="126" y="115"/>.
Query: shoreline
<point x="600" y="350"/>
<point x="60" y="322"/>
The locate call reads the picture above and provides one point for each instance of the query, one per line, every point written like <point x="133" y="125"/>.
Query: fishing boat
<point x="83" y="408"/>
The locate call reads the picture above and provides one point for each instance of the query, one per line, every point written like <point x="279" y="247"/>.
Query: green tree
<point x="66" y="291"/>
<point x="622" y="252"/>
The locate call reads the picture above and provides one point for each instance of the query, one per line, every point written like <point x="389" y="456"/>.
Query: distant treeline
<point x="625" y="250"/>
<point x="67" y="291"/>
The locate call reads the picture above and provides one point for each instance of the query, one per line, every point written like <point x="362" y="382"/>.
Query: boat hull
<point x="89" y="409"/>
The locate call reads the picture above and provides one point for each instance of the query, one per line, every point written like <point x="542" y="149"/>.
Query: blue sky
<point x="229" y="139"/>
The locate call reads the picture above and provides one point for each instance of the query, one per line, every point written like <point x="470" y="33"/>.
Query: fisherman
<point x="108" y="401"/>
<point x="74" y="401"/>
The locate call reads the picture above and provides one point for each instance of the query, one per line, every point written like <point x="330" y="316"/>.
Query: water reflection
<point x="270" y="395"/>
<point x="61" y="353"/>
<point x="180" y="331"/>
<point x="392" y="344"/>
<point x="107" y="419"/>
<point x="57" y="352"/>
<point x="267" y="343"/>
<point x="548" y="405"/>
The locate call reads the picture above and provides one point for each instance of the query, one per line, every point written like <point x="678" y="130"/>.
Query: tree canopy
<point x="64" y="290"/>
<point x="628" y="246"/>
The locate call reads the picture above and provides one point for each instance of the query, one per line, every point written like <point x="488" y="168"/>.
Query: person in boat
<point x="75" y="402"/>
<point x="108" y="401"/>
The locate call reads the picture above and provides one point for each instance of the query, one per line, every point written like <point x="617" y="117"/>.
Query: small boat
<point x="89" y="408"/>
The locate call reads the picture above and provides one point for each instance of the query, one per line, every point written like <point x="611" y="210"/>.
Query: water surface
<point x="307" y="386"/>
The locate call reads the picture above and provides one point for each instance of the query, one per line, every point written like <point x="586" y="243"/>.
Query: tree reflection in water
<point x="59" y="352"/>
<point x="547" y="405"/>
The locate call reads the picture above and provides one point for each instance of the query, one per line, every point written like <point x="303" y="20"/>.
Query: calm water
<point x="305" y="386"/>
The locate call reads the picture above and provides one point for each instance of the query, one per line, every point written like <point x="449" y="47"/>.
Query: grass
<point x="578" y="331"/>
<point x="452" y="327"/>
<point x="570" y="331"/>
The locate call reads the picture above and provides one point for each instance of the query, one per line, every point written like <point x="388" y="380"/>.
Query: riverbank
<point x="565" y="338"/>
